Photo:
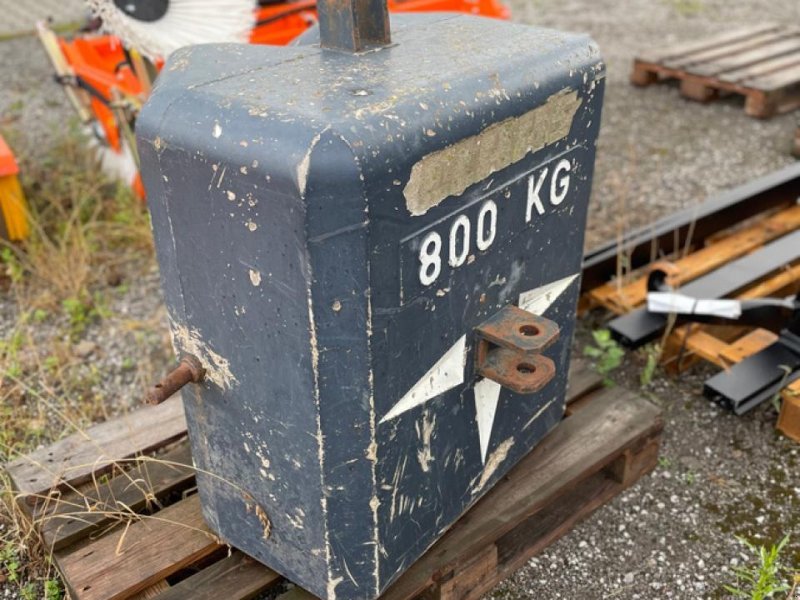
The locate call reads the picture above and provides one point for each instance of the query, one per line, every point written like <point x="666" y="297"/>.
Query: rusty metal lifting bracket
<point x="510" y="346"/>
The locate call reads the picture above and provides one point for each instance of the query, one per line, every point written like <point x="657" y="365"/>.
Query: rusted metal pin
<point x="189" y="370"/>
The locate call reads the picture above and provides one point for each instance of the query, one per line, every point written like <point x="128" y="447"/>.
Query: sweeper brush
<point x="156" y="28"/>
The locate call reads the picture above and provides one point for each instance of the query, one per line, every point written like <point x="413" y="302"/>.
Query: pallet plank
<point x="676" y="50"/>
<point x="763" y="68"/>
<point x="747" y="345"/>
<point x="572" y="452"/>
<point x="779" y="47"/>
<point x="777" y="81"/>
<point x="236" y="577"/>
<point x="129" y="560"/>
<point x="733" y="51"/>
<point x="76" y="514"/>
<point x="73" y="460"/>
<point x="583" y="380"/>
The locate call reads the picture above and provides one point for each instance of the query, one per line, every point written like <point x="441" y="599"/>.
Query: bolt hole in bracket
<point x="510" y="344"/>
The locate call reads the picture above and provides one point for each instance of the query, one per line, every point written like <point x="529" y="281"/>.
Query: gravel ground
<point x="672" y="535"/>
<point x="32" y="106"/>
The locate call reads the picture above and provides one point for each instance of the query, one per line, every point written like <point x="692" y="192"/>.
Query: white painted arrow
<point x="487" y="395"/>
<point x="539" y="300"/>
<point x="447" y="373"/>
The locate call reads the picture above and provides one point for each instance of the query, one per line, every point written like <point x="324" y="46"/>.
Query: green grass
<point x="767" y="577"/>
<point x="86" y="232"/>
<point x="606" y="354"/>
<point x="687" y="8"/>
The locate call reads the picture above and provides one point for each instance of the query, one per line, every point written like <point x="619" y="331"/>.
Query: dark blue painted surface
<point x="290" y="266"/>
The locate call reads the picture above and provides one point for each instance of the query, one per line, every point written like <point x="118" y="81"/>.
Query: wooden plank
<point x="75" y="515"/>
<point x="152" y="592"/>
<point x="696" y="62"/>
<point x="675" y="50"/>
<point x="715" y="350"/>
<point x="796" y="144"/>
<point x="760" y="53"/>
<point x="763" y="68"/>
<point x="698" y="89"/>
<point x="776" y="81"/>
<point x="470" y="581"/>
<point x="789" y="417"/>
<point x="296" y="593"/>
<point x="575" y="450"/>
<point x="747" y="345"/>
<point x="583" y="379"/>
<point x="236" y="577"/>
<point x="621" y="299"/>
<point x="73" y="460"/>
<point x="131" y="559"/>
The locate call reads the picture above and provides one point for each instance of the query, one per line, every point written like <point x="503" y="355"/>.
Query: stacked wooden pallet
<point x="761" y="63"/>
<point x="116" y="505"/>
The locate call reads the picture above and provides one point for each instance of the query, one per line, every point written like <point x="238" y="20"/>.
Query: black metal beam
<point x="757" y="378"/>
<point x="353" y="25"/>
<point x="698" y="223"/>
<point x="640" y="326"/>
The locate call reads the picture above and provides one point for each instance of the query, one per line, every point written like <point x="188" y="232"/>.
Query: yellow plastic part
<point x="13" y="208"/>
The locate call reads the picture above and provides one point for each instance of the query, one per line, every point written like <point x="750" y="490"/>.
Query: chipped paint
<point x="451" y="170"/>
<point x="255" y="277"/>
<point x="188" y="341"/>
<point x="425" y="433"/>
<point x="539" y="413"/>
<point x="305" y="162"/>
<point x="495" y="460"/>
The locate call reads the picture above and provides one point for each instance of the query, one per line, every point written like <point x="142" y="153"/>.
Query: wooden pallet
<point x="121" y="529"/>
<point x="761" y="63"/>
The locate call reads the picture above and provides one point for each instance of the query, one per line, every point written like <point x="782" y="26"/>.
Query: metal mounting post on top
<point x="353" y="25"/>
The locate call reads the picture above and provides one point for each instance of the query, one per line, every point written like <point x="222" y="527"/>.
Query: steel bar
<point x="353" y="25"/>
<point x="671" y="233"/>
<point x="757" y="378"/>
<point x="640" y="326"/>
